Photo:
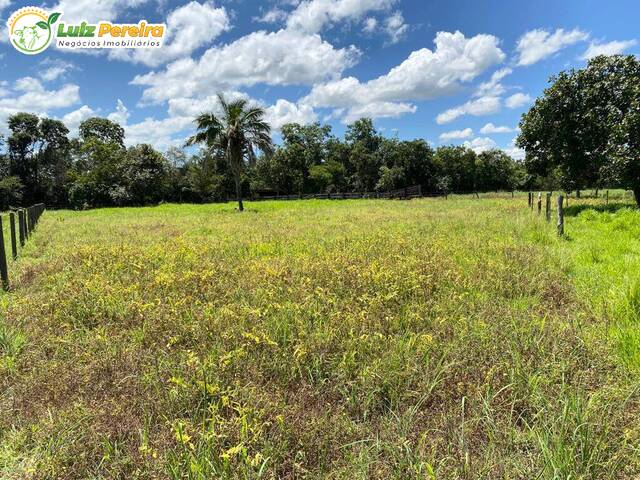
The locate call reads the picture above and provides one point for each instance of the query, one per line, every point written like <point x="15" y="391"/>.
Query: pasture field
<point x="428" y="339"/>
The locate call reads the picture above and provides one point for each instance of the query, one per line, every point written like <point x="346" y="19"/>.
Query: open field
<point x="430" y="339"/>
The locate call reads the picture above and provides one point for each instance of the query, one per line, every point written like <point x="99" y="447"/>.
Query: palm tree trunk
<point x="239" y="191"/>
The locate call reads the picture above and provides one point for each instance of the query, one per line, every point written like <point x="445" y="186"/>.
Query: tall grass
<point x="429" y="339"/>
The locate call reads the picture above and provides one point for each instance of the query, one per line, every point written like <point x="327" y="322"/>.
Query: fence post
<point x="548" y="207"/>
<point x="21" y="227"/>
<point x="529" y="199"/>
<point x="560" y="215"/>
<point x="4" y="272"/>
<point x="607" y="197"/>
<point x="12" y="225"/>
<point x="539" y="203"/>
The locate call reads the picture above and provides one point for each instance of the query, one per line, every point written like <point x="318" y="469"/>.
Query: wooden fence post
<point x="530" y="201"/>
<point x="4" y="272"/>
<point x="560" y="215"/>
<point x="607" y="197"/>
<point x="21" y="227"/>
<point x="539" y="203"/>
<point x="14" y="246"/>
<point x="548" y="207"/>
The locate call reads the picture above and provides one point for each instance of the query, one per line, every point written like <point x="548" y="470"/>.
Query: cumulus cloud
<point x="493" y="87"/>
<point x="51" y="70"/>
<point x="517" y="100"/>
<point x="189" y="27"/>
<point x="94" y="11"/>
<point x="490" y="128"/>
<point x="284" y="112"/>
<point x="515" y="152"/>
<point x="284" y="57"/>
<point x="456" y="134"/>
<point x="480" y="144"/>
<point x="395" y="27"/>
<point x="29" y="95"/>
<point x="609" y="48"/>
<point x="74" y="118"/>
<point x="478" y="107"/>
<point x="274" y="15"/>
<point x="378" y="110"/>
<point x="536" y="45"/>
<point x="423" y="75"/>
<point x="313" y="15"/>
<point x="370" y="25"/>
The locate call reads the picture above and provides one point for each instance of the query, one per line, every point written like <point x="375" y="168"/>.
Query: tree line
<point x="41" y="163"/>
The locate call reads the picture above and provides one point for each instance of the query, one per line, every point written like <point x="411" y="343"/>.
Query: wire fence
<point x="21" y="225"/>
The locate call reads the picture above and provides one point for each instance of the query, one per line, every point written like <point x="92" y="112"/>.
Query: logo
<point x="32" y="30"/>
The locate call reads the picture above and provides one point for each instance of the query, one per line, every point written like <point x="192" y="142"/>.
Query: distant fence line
<point x="19" y="233"/>
<point x="401" y="193"/>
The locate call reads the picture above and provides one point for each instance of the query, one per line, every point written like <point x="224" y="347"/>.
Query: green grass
<point x="430" y="339"/>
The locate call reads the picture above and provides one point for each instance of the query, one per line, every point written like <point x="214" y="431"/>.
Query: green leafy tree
<point x="575" y="127"/>
<point x="237" y="132"/>
<point x="459" y="165"/>
<point x="145" y="174"/>
<point x="38" y="155"/>
<point x="10" y="192"/>
<point x="102" y="129"/>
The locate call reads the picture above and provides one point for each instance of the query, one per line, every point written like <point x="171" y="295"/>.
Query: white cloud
<point x="370" y="25"/>
<point x="312" y="15"/>
<point x="395" y="27"/>
<point x="189" y="27"/>
<point x="73" y="119"/>
<point x="609" y="48"/>
<point x="51" y="70"/>
<point x="490" y="128"/>
<point x="121" y="115"/>
<point x="456" y="134"/>
<point x="535" y="45"/>
<point x="94" y="10"/>
<point x="29" y="95"/>
<point x="425" y="74"/>
<point x="378" y="110"/>
<point x="4" y="4"/>
<point x="478" y="107"/>
<point x="278" y="58"/>
<point x="493" y="87"/>
<point x="515" y="152"/>
<point x="284" y="112"/>
<point x="517" y="100"/>
<point x="480" y="144"/>
<point x="194" y="106"/>
<point x="274" y="15"/>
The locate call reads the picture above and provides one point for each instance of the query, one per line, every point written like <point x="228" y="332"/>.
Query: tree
<point x="102" y="129"/>
<point x="459" y="165"/>
<point x="145" y="173"/>
<point x="38" y="155"/>
<point x="10" y="192"/>
<point x="309" y="143"/>
<point x="625" y="162"/>
<point x="237" y="132"/>
<point x="576" y="126"/>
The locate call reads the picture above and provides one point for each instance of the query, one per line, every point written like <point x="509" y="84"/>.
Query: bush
<point x="10" y="192"/>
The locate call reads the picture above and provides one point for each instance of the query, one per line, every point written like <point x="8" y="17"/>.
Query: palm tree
<point x="237" y="132"/>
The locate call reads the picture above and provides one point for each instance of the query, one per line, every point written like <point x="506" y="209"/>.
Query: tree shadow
<point x="575" y="210"/>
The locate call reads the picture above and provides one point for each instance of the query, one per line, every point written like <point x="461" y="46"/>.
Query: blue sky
<point x="447" y="71"/>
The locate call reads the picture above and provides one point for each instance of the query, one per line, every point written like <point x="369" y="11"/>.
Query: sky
<point x="451" y="72"/>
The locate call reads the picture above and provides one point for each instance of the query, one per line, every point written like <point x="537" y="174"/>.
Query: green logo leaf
<point x="43" y="25"/>
<point x="53" y="18"/>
